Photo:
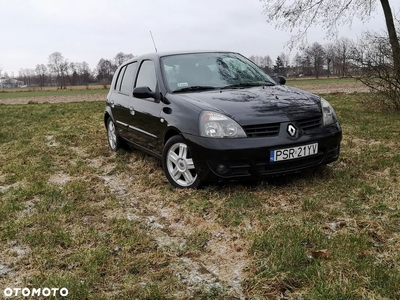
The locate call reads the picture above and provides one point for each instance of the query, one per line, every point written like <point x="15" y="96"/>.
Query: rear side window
<point x="117" y="86"/>
<point x="127" y="80"/>
<point x="147" y="75"/>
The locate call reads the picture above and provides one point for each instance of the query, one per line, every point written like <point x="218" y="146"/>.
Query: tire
<point x="114" y="140"/>
<point x="178" y="164"/>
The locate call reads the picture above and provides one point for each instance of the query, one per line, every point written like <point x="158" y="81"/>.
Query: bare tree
<point x="297" y="62"/>
<point x="84" y="73"/>
<point x="105" y="71"/>
<point x="258" y="60"/>
<point x="303" y="14"/>
<point x="120" y="58"/>
<point x="59" y="66"/>
<point x="286" y="63"/>
<point x="41" y="71"/>
<point x="285" y="59"/>
<point x="27" y="76"/>
<point x="74" y="78"/>
<point x="344" y="48"/>
<point x="267" y="62"/>
<point x="330" y="56"/>
<point x="317" y="54"/>
<point x="374" y="57"/>
<point x="305" y="63"/>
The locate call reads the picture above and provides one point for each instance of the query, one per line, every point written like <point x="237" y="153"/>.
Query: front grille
<point x="262" y="130"/>
<point x="270" y="130"/>
<point x="310" y="123"/>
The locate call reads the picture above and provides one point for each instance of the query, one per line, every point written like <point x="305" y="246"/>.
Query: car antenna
<point x="153" y="41"/>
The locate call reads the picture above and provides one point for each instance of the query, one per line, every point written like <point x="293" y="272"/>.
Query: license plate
<point x="293" y="153"/>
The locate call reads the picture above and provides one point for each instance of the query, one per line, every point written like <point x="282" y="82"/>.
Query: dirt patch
<point x="222" y="260"/>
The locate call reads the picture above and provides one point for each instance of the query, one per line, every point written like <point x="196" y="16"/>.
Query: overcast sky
<point x="88" y="30"/>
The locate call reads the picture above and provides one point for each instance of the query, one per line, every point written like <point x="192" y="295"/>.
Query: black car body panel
<point x="258" y="105"/>
<point x="252" y="156"/>
<point x="264" y="112"/>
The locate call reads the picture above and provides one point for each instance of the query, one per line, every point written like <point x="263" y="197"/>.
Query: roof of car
<point x="169" y="53"/>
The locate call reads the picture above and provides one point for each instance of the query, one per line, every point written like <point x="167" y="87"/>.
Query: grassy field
<point x="99" y="89"/>
<point x="52" y="91"/>
<point x="108" y="225"/>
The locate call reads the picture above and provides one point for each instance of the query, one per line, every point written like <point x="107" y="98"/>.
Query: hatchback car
<point x="216" y="115"/>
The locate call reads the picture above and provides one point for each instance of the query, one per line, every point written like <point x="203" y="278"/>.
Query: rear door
<point x="122" y="98"/>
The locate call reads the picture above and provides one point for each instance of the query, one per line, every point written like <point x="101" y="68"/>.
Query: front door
<point x="146" y="125"/>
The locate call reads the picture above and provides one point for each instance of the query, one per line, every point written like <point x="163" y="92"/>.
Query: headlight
<point x="329" y="115"/>
<point x="215" y="125"/>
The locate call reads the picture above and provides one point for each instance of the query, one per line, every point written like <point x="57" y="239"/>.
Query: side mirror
<point x="281" y="80"/>
<point x="143" y="92"/>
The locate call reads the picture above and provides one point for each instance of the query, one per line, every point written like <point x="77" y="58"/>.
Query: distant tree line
<point x="333" y="59"/>
<point x="60" y="72"/>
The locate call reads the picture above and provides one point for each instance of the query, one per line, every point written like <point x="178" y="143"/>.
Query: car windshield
<point x="207" y="71"/>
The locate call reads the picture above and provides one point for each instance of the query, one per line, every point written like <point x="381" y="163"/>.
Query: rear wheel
<point x="114" y="141"/>
<point x="178" y="164"/>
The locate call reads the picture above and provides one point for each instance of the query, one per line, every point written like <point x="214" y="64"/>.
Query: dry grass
<point x="108" y="226"/>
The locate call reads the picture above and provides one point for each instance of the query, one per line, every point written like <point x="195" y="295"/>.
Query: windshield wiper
<point x="247" y="84"/>
<point x="195" y="88"/>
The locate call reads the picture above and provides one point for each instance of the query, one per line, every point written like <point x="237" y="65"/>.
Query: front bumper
<point x="250" y="157"/>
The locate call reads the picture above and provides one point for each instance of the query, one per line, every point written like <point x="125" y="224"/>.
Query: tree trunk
<point x="394" y="41"/>
<point x="329" y="69"/>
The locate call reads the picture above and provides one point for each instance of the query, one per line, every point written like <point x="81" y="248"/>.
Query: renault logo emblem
<point x="291" y="130"/>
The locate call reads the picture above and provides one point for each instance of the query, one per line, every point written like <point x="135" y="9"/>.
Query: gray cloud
<point x="93" y="29"/>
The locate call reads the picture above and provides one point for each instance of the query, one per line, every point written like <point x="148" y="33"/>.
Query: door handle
<point x="132" y="111"/>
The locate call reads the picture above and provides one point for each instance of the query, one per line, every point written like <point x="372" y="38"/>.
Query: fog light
<point x="222" y="169"/>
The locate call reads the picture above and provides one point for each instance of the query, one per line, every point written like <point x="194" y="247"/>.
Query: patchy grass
<point x="108" y="226"/>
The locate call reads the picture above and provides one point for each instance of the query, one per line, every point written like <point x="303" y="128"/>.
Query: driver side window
<point x="147" y="75"/>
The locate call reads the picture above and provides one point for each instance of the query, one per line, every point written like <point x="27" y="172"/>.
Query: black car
<point x="216" y="115"/>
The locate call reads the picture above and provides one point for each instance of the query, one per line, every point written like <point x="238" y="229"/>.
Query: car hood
<point x="269" y="104"/>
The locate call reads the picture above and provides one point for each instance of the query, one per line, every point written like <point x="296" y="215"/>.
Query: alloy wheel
<point x="180" y="166"/>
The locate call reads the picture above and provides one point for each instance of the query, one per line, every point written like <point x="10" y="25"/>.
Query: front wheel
<point x="114" y="141"/>
<point x="178" y="164"/>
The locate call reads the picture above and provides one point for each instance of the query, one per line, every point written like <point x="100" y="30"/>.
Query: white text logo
<point x="27" y="292"/>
